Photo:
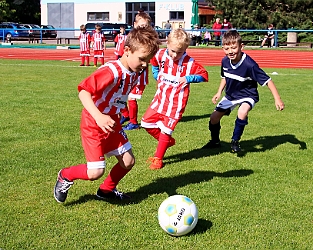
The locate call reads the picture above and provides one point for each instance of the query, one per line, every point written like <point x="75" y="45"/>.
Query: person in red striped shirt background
<point x="98" y="45"/>
<point x="130" y="113"/>
<point x="120" y="42"/>
<point x="84" y="44"/>
<point x="174" y="70"/>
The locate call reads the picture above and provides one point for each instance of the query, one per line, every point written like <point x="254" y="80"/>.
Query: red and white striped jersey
<point x="98" y="40"/>
<point x="84" y="41"/>
<point x="120" y="42"/>
<point x="109" y="86"/>
<point x="141" y="85"/>
<point x="171" y="97"/>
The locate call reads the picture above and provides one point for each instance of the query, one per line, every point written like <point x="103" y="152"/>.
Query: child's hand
<point x="215" y="98"/>
<point x="279" y="105"/>
<point x="182" y="80"/>
<point x="106" y="123"/>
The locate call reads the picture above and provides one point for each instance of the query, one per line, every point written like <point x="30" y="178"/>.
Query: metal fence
<point x="290" y="35"/>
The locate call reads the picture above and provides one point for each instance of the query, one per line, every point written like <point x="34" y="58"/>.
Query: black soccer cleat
<point x="235" y="147"/>
<point x="212" y="144"/>
<point x="114" y="194"/>
<point x="61" y="188"/>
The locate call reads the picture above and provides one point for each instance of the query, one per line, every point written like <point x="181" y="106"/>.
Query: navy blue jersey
<point x="242" y="79"/>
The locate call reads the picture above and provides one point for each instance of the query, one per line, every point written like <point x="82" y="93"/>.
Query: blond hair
<point x="179" y="37"/>
<point x="143" y="37"/>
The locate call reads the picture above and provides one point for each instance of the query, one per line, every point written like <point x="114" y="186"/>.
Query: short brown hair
<point x="143" y="15"/>
<point x="231" y="37"/>
<point x="82" y="27"/>
<point x="98" y="27"/>
<point x="143" y="37"/>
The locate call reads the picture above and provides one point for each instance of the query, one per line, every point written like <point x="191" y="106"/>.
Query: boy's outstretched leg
<point x="107" y="189"/>
<point x="65" y="180"/>
<point x="133" y="113"/>
<point x="215" y="136"/>
<point x="238" y="131"/>
<point x="165" y="141"/>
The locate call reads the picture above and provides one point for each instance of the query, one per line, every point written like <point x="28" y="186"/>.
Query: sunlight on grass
<point x="261" y="199"/>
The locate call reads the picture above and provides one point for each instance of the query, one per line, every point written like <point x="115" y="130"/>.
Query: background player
<point x="84" y="44"/>
<point x="130" y="113"/>
<point x="98" y="44"/>
<point x="240" y="77"/>
<point x="174" y="70"/>
<point x="120" y="42"/>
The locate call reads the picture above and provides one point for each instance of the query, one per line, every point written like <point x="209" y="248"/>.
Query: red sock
<point x="155" y="132"/>
<point x="95" y="60"/>
<point x="164" y="140"/>
<point x="102" y="60"/>
<point x="87" y="59"/>
<point x="125" y="112"/>
<point x="133" y="111"/>
<point x="75" y="172"/>
<point x="83" y="60"/>
<point x="115" y="175"/>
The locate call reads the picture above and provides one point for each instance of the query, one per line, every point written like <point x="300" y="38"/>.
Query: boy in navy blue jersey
<point x="240" y="77"/>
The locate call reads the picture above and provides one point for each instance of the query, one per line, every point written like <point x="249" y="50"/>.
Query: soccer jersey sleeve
<point x="199" y="70"/>
<point x="96" y="83"/>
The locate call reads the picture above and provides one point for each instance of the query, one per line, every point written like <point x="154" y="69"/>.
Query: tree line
<point x="257" y="14"/>
<point x="243" y="14"/>
<point x="20" y="11"/>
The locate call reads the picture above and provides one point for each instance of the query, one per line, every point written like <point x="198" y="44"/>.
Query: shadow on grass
<point x="194" y="117"/>
<point x="202" y="226"/>
<point x="260" y="144"/>
<point x="167" y="185"/>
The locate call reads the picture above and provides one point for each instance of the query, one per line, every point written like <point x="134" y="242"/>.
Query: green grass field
<point x="261" y="199"/>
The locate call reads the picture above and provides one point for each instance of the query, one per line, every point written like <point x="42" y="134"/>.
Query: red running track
<point x="208" y="57"/>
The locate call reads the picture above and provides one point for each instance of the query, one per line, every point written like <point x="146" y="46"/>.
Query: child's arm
<point x="155" y="72"/>
<point x="105" y="122"/>
<point x="278" y="102"/>
<point x="219" y="91"/>
<point x="192" y="78"/>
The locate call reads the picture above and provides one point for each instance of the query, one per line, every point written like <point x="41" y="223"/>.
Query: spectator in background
<point x="167" y="26"/>
<point x="206" y="38"/>
<point x="217" y="26"/>
<point x="196" y="35"/>
<point x="226" y="25"/>
<point x="269" y="37"/>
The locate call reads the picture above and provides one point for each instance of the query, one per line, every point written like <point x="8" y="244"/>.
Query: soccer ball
<point x="178" y="215"/>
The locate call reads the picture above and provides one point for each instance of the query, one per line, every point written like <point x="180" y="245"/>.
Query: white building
<point x="64" y="14"/>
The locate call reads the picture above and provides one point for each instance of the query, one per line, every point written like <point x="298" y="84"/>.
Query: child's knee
<point x="95" y="174"/>
<point x="128" y="161"/>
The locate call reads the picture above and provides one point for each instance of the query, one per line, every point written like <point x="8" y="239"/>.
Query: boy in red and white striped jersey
<point x="174" y="70"/>
<point x="98" y="44"/>
<point x="120" y="42"/>
<point x="84" y="44"/>
<point x="103" y="94"/>
<point x="131" y="110"/>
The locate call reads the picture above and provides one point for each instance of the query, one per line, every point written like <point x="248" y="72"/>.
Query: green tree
<point x="257" y="14"/>
<point x="5" y="11"/>
<point x="21" y="11"/>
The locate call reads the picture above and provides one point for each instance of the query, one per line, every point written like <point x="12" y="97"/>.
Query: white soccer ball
<point x="178" y="215"/>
